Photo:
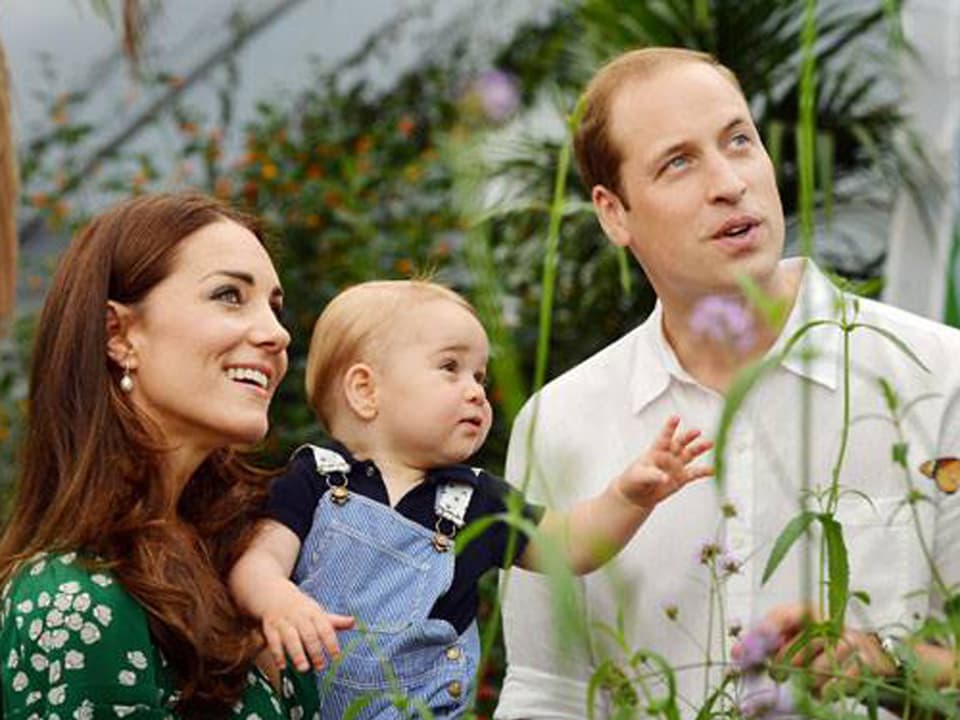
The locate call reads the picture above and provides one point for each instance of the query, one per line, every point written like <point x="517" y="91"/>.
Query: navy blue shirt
<point x="295" y="494"/>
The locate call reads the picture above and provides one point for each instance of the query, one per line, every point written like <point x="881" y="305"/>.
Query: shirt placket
<point x="739" y="528"/>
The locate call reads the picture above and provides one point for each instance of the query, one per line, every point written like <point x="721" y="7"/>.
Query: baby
<point x="396" y="374"/>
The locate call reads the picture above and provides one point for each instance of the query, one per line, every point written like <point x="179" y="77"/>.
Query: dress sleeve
<point x="75" y="644"/>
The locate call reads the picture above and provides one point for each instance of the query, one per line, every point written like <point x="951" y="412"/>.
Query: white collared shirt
<point x="598" y="417"/>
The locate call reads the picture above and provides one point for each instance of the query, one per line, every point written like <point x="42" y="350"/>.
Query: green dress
<point x="74" y="645"/>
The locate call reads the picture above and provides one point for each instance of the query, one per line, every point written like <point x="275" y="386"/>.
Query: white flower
<point x="45" y="641"/>
<point x="74" y="621"/>
<point x="296" y="713"/>
<point x="90" y="633"/>
<point x="63" y="601"/>
<point x="101" y="580"/>
<point x="287" y="687"/>
<point x="84" y="712"/>
<point x="81" y="603"/>
<point x="26" y="606"/>
<point x="71" y="588"/>
<point x="20" y="681"/>
<point x="43" y="599"/>
<point x="39" y="662"/>
<point x="38" y="568"/>
<point x="68" y="558"/>
<point x="58" y="638"/>
<point x="127" y="677"/>
<point x="137" y="659"/>
<point x="104" y="614"/>
<point x="33" y="697"/>
<point x="57" y="695"/>
<point x="124" y="710"/>
<point x="13" y="660"/>
<point x="74" y="660"/>
<point x="36" y="627"/>
<point x="19" y="622"/>
<point x="55" y="671"/>
<point x="54" y="618"/>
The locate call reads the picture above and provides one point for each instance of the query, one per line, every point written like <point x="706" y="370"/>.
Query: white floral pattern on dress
<point x="65" y="630"/>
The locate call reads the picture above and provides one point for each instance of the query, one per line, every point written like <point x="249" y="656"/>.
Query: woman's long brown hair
<point x="90" y="478"/>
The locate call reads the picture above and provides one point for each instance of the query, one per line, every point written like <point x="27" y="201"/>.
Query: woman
<point x="157" y="352"/>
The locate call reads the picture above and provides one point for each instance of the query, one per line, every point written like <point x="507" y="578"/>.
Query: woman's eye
<point x="228" y="294"/>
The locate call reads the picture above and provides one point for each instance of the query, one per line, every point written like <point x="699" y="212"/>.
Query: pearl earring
<point x="126" y="382"/>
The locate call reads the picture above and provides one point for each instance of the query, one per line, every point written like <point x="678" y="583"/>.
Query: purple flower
<point x="756" y="646"/>
<point x="709" y="551"/>
<point x="729" y="563"/>
<point x="762" y="697"/>
<point x="724" y="319"/>
<point x="495" y="94"/>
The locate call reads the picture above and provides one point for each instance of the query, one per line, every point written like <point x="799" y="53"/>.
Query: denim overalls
<point x="364" y="559"/>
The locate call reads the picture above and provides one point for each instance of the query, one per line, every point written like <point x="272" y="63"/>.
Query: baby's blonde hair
<point x="354" y="327"/>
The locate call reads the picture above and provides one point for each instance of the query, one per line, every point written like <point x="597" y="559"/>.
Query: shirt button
<point x="455" y="689"/>
<point x="369" y="470"/>
<point x="453" y="653"/>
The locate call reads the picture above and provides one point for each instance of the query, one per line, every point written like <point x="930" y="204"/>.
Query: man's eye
<point x="676" y="163"/>
<point x="740" y="140"/>
<point x="228" y="294"/>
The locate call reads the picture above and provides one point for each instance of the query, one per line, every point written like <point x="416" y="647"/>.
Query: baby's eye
<point x="480" y="378"/>
<point x="450" y="365"/>
<point x="229" y="294"/>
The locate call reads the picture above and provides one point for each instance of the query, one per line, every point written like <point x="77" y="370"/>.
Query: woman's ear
<point x="360" y="390"/>
<point x="119" y="348"/>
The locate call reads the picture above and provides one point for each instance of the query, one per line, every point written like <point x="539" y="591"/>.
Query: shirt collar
<point x="817" y="298"/>
<point x="455" y="473"/>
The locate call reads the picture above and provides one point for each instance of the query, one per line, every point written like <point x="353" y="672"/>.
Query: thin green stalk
<point x="806" y="135"/>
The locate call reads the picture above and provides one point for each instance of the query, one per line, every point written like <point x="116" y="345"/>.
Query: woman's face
<point x="207" y="347"/>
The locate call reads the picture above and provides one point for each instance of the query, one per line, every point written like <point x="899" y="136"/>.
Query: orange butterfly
<point x="945" y="471"/>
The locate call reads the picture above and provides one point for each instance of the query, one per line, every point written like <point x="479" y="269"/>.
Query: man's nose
<point x="726" y="182"/>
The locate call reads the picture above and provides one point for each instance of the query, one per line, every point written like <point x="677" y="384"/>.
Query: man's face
<point x="703" y="202"/>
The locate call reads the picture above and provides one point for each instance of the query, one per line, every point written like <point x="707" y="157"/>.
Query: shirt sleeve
<point x="295" y="494"/>
<point x="74" y="644"/>
<point x="500" y="498"/>
<point x="545" y="679"/>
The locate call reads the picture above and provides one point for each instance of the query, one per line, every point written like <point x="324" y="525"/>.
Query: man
<point x="679" y="176"/>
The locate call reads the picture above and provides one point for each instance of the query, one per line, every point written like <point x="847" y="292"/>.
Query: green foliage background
<point x="357" y="183"/>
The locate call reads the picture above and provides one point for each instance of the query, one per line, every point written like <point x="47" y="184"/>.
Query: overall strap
<point x="331" y="464"/>
<point x="450" y="505"/>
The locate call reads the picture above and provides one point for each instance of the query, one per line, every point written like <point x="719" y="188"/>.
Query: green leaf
<point x="838" y="568"/>
<point x="794" y="529"/>
<point x="899" y="453"/>
<point x="889" y="395"/>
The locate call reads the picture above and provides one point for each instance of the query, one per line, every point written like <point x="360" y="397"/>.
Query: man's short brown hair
<point x="598" y="157"/>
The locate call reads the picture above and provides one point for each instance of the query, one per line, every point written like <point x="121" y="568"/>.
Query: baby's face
<point x="431" y="398"/>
